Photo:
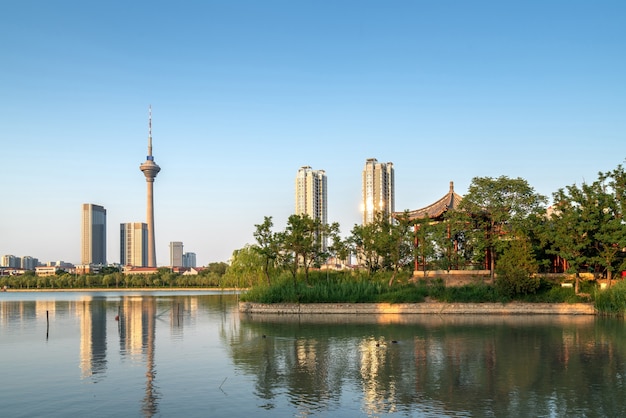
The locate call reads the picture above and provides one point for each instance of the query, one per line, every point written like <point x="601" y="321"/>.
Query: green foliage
<point x="517" y="270"/>
<point x="612" y="301"/>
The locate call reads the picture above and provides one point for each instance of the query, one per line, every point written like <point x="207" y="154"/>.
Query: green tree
<point x="517" y="269"/>
<point x="303" y="238"/>
<point x="397" y="245"/>
<point x="497" y="208"/>
<point x="246" y="267"/>
<point x="573" y="226"/>
<point x="362" y="242"/>
<point x="269" y="245"/>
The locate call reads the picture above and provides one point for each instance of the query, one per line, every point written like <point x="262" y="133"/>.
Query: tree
<point x="498" y="208"/>
<point x="363" y="243"/>
<point x="268" y="247"/>
<point x="588" y="224"/>
<point x="304" y="239"/>
<point x="517" y="269"/>
<point x="396" y="240"/>
<point x="246" y="264"/>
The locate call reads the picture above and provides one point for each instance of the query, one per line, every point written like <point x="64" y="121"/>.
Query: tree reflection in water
<point x="476" y="365"/>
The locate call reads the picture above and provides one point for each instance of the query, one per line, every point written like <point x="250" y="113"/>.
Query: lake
<point x="186" y="354"/>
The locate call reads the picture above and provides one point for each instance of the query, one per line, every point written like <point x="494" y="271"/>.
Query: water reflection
<point x="93" y="339"/>
<point x="452" y="365"/>
<point x="135" y="318"/>
<point x="193" y="355"/>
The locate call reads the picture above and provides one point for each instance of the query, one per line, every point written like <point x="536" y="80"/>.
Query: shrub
<point x="516" y="270"/>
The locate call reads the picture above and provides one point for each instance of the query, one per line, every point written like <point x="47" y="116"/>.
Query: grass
<point x="612" y="301"/>
<point x="346" y="288"/>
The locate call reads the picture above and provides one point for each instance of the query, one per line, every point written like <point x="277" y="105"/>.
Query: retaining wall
<point x="513" y="308"/>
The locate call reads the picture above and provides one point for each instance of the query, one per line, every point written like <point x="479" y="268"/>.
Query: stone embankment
<point x="513" y="308"/>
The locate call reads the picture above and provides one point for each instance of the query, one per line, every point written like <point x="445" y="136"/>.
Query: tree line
<point x="501" y="225"/>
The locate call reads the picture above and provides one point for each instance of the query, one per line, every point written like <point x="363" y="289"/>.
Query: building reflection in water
<point x="93" y="339"/>
<point x="137" y="324"/>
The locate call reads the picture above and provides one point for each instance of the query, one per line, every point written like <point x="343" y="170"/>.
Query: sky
<point x="244" y="93"/>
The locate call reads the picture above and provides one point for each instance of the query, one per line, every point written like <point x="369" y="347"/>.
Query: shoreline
<point x="428" y="308"/>
<point x="130" y="289"/>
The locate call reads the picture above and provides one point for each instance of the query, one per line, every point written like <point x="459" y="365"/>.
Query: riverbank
<point x="133" y="289"/>
<point x="512" y="308"/>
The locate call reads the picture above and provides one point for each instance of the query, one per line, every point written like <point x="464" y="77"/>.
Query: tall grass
<point x="612" y="301"/>
<point x="347" y="287"/>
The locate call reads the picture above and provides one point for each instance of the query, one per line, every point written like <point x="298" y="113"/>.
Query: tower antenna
<point x="150" y="131"/>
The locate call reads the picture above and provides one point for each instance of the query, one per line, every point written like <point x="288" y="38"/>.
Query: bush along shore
<point x="341" y="288"/>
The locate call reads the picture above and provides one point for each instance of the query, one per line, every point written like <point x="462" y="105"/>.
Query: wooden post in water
<point x="47" y="324"/>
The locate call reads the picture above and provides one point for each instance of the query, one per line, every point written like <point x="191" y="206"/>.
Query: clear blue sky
<point x="243" y="93"/>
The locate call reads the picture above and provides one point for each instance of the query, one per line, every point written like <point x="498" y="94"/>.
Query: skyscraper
<point x="189" y="259"/>
<point x="311" y="196"/>
<point x="134" y="244"/>
<point x="94" y="240"/>
<point x="176" y="254"/>
<point x="377" y="190"/>
<point x="311" y="192"/>
<point x="150" y="169"/>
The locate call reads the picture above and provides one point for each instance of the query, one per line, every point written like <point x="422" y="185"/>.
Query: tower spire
<point x="150" y="132"/>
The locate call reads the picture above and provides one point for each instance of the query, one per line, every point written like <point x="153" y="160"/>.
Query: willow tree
<point x="498" y="209"/>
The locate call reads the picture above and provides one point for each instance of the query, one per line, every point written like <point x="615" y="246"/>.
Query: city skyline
<point x="244" y="93"/>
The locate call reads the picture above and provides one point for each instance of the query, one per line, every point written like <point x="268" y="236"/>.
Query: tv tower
<point x="150" y="169"/>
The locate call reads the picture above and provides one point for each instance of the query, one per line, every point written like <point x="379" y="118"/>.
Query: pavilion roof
<point x="450" y="201"/>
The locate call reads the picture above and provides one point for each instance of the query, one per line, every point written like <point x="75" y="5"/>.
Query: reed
<point x="612" y="301"/>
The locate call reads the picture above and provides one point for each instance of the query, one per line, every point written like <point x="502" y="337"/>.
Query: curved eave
<point x="448" y="202"/>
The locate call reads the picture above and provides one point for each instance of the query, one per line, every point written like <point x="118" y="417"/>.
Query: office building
<point x="94" y="240"/>
<point x="377" y="190"/>
<point x="189" y="260"/>
<point x="150" y="169"/>
<point x="311" y="194"/>
<point x="134" y="244"/>
<point x="176" y="254"/>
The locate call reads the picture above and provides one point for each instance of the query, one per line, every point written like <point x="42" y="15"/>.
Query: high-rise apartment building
<point x="189" y="260"/>
<point x="377" y="190"/>
<point x="134" y="244"/>
<point x="10" y="261"/>
<point x="29" y="263"/>
<point x="311" y="194"/>
<point x="176" y="254"/>
<point x="94" y="239"/>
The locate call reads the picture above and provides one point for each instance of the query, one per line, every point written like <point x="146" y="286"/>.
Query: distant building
<point x="29" y="263"/>
<point x="94" y="242"/>
<point x="176" y="254"/>
<point x="377" y="190"/>
<point x="10" y="261"/>
<point x="311" y="193"/>
<point x="134" y="244"/>
<point x="189" y="260"/>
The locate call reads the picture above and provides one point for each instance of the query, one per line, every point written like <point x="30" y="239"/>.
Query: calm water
<point x="192" y="354"/>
